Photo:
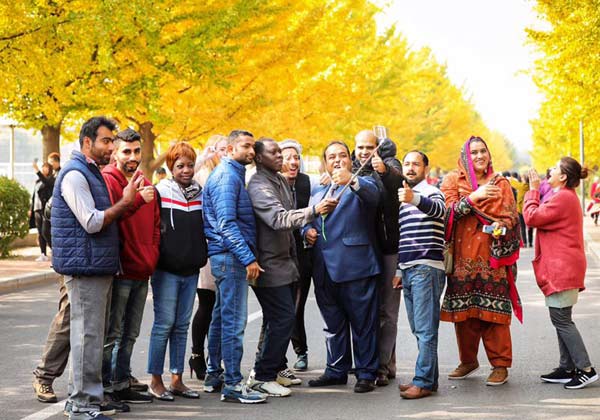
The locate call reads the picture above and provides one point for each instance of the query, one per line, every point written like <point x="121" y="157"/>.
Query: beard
<point x="413" y="182"/>
<point x="130" y="169"/>
<point x="99" y="157"/>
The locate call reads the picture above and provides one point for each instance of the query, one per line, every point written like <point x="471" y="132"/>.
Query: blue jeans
<point x="423" y="286"/>
<point x="226" y="332"/>
<point x="126" y="312"/>
<point x="173" y="304"/>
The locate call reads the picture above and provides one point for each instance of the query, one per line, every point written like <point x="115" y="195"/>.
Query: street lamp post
<point x="11" y="158"/>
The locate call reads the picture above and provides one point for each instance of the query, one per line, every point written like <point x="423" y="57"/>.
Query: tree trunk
<point x="50" y="140"/>
<point x="149" y="162"/>
<point x="148" y="137"/>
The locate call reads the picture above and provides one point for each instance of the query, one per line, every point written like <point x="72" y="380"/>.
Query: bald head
<point x="364" y="144"/>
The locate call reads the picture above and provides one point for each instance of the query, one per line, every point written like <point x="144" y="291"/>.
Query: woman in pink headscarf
<point x="481" y="292"/>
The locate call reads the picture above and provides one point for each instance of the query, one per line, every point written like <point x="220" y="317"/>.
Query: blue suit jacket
<point x="346" y="249"/>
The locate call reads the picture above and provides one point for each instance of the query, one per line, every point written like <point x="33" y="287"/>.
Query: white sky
<point x="482" y="43"/>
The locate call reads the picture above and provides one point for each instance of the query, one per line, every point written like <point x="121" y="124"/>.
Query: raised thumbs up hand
<point x="377" y="164"/>
<point x="405" y="194"/>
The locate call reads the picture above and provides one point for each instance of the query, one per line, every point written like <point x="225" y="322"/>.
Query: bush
<point x="14" y="205"/>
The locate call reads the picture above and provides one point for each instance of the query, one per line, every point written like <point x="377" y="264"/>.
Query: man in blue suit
<point x="345" y="270"/>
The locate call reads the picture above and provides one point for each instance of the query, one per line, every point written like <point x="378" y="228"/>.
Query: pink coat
<point x="559" y="262"/>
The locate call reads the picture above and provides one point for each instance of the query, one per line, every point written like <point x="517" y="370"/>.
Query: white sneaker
<point x="287" y="378"/>
<point x="42" y="258"/>
<point x="271" y="388"/>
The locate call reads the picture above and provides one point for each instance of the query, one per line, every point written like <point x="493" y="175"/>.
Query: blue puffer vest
<point x="76" y="252"/>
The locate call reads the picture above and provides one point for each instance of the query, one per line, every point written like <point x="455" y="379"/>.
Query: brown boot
<point x="498" y="376"/>
<point x="414" y="393"/>
<point x="44" y="392"/>
<point x="463" y="370"/>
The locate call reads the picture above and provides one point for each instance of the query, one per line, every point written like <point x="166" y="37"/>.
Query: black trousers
<point x="37" y="215"/>
<point x="277" y="305"/>
<point x="301" y="289"/>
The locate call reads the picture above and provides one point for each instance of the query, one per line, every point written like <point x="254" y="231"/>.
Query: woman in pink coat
<point x="560" y="264"/>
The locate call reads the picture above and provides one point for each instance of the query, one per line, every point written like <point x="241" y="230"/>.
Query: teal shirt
<point x="563" y="299"/>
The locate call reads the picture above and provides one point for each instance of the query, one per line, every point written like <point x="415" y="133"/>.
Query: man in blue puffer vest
<point x="230" y="229"/>
<point x="86" y="252"/>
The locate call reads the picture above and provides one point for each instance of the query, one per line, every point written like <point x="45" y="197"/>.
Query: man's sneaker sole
<point x="258" y="388"/>
<point x="556" y="381"/>
<point x="583" y="384"/>
<point x="241" y="400"/>
<point x="496" y="383"/>
<point x="458" y="378"/>
<point x="137" y="401"/>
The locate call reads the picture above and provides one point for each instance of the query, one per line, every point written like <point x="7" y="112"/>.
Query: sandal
<point x="165" y="396"/>
<point x="188" y="393"/>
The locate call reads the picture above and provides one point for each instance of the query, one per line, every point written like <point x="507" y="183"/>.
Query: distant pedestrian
<point x="560" y="265"/>
<point x="481" y="291"/>
<point x="86" y="251"/>
<point x="42" y="191"/>
<point x="594" y="207"/>
<point x="182" y="253"/>
<point x="421" y="260"/>
<point x="160" y="174"/>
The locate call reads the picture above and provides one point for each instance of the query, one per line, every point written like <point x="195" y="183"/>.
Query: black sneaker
<point x="325" y="380"/>
<point x="364" y="385"/>
<point x="128" y="395"/>
<point x="582" y="379"/>
<point x="558" y="376"/>
<point x="137" y="385"/>
<point x="112" y="401"/>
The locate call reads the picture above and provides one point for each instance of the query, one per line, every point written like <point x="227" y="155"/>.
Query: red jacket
<point x="139" y="229"/>
<point x="559" y="262"/>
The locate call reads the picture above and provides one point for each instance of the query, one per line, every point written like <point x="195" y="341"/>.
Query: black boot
<point x="198" y="365"/>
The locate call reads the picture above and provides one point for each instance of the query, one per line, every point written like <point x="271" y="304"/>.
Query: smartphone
<point x="35" y="160"/>
<point x="489" y="229"/>
<point x="381" y="132"/>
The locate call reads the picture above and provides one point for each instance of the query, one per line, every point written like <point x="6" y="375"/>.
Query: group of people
<point x="370" y="227"/>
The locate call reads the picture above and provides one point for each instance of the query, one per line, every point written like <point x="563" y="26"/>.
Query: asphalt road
<point x="25" y="316"/>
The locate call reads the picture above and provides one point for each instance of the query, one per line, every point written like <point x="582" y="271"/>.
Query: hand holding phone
<point x="493" y="230"/>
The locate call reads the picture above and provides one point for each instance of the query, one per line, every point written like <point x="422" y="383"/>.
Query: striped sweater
<point x="422" y="228"/>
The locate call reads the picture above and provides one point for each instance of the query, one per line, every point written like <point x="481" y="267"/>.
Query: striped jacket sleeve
<point x="433" y="205"/>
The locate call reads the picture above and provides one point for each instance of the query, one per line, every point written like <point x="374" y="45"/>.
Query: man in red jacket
<point x="139" y="235"/>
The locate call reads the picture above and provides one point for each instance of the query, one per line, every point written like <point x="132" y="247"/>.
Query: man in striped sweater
<point x="420" y="259"/>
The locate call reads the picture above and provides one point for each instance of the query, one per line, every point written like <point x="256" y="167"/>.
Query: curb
<point x="14" y="284"/>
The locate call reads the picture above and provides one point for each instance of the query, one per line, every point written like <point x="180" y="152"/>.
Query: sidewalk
<point x="21" y="270"/>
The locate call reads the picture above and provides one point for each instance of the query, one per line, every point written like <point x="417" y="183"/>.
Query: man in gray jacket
<point x="276" y="219"/>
